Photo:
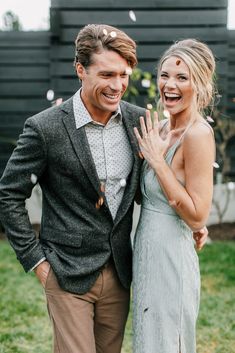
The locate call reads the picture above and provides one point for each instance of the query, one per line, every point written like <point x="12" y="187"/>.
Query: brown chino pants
<point x="90" y="323"/>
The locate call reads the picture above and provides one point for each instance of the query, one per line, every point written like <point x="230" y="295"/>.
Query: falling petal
<point x="33" y="179"/>
<point x="230" y="185"/>
<point x="102" y="187"/>
<point x="149" y="106"/>
<point x="145" y="83"/>
<point x="209" y="119"/>
<point x="58" y="101"/>
<point x="123" y="183"/>
<point x="50" y="95"/>
<point x="101" y="201"/>
<point x="128" y="70"/>
<point x="105" y="31"/>
<point x="166" y="114"/>
<point x="215" y="165"/>
<point x="113" y="34"/>
<point x="132" y="16"/>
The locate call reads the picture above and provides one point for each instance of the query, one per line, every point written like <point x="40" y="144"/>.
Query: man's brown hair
<point x="94" y="38"/>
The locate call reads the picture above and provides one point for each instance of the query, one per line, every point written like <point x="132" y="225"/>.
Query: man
<point x="85" y="157"/>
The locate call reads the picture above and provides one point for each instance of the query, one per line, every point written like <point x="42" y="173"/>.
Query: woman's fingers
<point x="139" y="139"/>
<point x="143" y="127"/>
<point x="149" y="123"/>
<point x="155" y="120"/>
<point x="137" y="134"/>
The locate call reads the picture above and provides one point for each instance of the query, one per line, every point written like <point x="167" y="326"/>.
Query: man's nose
<point x="116" y="84"/>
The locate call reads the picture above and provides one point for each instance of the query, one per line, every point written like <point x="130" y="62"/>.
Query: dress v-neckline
<point x="177" y="141"/>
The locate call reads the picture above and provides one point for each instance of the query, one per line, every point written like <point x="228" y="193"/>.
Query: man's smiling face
<point x="103" y="83"/>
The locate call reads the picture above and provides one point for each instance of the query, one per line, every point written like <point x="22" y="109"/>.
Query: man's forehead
<point x="108" y="59"/>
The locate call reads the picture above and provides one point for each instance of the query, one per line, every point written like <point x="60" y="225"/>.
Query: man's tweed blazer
<point x="76" y="238"/>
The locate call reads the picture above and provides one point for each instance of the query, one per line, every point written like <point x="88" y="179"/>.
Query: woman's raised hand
<point x="152" y="146"/>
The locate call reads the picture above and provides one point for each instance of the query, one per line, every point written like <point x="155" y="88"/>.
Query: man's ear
<point x="80" y="71"/>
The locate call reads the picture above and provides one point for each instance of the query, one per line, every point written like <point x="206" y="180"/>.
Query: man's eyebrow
<point x="106" y="71"/>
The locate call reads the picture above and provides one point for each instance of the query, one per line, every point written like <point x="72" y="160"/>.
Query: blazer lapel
<point x="80" y="144"/>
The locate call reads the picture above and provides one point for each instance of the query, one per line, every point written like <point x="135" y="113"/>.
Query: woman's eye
<point x="183" y="78"/>
<point x="163" y="75"/>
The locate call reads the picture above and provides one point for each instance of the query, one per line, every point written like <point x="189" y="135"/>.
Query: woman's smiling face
<point x="176" y="87"/>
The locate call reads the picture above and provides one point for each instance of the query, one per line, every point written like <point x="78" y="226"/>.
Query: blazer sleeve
<point x="16" y="184"/>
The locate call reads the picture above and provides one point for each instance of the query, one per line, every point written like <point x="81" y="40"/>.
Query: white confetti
<point x="113" y="34"/>
<point x="149" y="106"/>
<point x="145" y="83"/>
<point x="58" y="101"/>
<point x="132" y="16"/>
<point x="128" y="70"/>
<point x="33" y="179"/>
<point x="209" y="119"/>
<point x="105" y="32"/>
<point x="50" y="95"/>
<point x="230" y="185"/>
<point x="216" y="165"/>
<point x="166" y="114"/>
<point x="123" y="182"/>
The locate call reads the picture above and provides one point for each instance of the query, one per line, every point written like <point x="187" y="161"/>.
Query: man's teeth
<point x="111" y="96"/>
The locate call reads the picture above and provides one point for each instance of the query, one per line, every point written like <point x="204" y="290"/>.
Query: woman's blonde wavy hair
<point x="201" y="63"/>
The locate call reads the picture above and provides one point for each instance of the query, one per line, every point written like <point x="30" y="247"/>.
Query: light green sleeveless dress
<point x="166" y="278"/>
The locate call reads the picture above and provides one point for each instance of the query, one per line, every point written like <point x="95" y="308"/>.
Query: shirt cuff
<point x="38" y="263"/>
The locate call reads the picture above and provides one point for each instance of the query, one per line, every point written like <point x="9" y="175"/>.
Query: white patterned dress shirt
<point x="110" y="150"/>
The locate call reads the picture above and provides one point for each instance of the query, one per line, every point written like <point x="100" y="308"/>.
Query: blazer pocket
<point x="60" y="237"/>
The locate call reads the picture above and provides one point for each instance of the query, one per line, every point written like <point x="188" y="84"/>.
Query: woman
<point x="177" y="186"/>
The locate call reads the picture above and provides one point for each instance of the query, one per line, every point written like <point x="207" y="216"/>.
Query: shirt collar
<point x="82" y="116"/>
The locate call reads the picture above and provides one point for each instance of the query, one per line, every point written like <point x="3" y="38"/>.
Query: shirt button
<point x="123" y="182"/>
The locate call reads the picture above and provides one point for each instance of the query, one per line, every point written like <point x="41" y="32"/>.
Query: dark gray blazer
<point x="76" y="238"/>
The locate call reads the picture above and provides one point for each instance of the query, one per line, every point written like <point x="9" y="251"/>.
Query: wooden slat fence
<point x="158" y="23"/>
<point x="33" y="62"/>
<point x="24" y="81"/>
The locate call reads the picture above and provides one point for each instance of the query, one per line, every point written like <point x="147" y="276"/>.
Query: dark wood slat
<point x="144" y="51"/>
<point x="148" y="17"/>
<point x="24" y="72"/>
<point x="24" y="56"/>
<point x="21" y="105"/>
<point x="159" y="35"/>
<point x="151" y="51"/>
<point x="26" y="39"/>
<point x="231" y="73"/>
<point x="137" y="4"/>
<point x="11" y="131"/>
<point x="11" y="118"/>
<point x="231" y="35"/>
<point x="22" y="89"/>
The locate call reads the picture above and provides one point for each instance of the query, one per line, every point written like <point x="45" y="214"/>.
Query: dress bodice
<point x="153" y="196"/>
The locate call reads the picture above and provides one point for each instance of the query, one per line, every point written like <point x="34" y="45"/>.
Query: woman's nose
<point x="170" y="83"/>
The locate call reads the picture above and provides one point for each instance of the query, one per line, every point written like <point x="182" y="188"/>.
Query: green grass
<point x="25" y="327"/>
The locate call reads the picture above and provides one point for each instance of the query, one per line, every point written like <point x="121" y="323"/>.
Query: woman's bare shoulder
<point x="199" y="129"/>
